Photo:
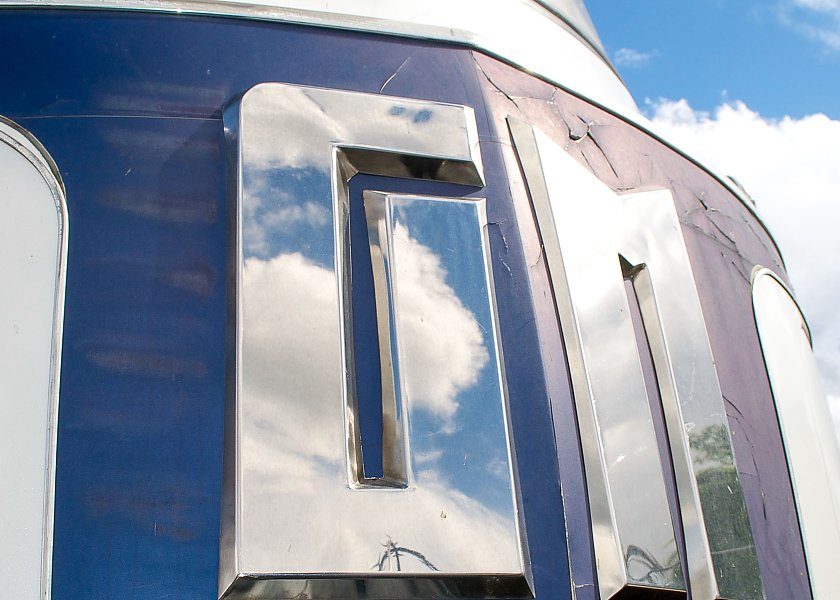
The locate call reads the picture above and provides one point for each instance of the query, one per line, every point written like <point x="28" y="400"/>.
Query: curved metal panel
<point x="33" y="246"/>
<point x="805" y="421"/>
<point x="519" y="31"/>
<point x="300" y="515"/>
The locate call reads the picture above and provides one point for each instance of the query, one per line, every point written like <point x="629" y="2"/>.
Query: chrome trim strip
<point x="394" y="428"/>
<point x="25" y="144"/>
<point x="810" y="444"/>
<point x="574" y="13"/>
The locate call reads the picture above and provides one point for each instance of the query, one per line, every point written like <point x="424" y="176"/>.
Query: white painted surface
<point x="30" y="260"/>
<point x="810" y="445"/>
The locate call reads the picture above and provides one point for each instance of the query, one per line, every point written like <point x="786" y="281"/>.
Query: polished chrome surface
<point x="805" y="421"/>
<point x="298" y="516"/>
<point x="721" y="556"/>
<point x="33" y="243"/>
<point x="586" y="227"/>
<point x="395" y="470"/>
<point x="579" y="219"/>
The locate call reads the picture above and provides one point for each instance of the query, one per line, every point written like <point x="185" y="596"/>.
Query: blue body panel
<point x="129" y="105"/>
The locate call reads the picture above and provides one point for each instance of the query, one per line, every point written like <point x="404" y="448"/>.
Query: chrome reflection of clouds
<point x="642" y="228"/>
<point x="33" y="251"/>
<point x="634" y="539"/>
<point x="432" y="317"/>
<point x="721" y="554"/>
<point x="810" y="445"/>
<point x="293" y="522"/>
<point x="445" y="334"/>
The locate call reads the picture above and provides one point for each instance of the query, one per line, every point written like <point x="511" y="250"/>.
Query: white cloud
<point x="292" y="116"/>
<point x="266" y="222"/>
<point x="442" y="346"/>
<point x="790" y="167"/>
<point x="441" y="340"/>
<point x="628" y="57"/>
<point x="816" y="19"/>
<point x="819" y="5"/>
<point x="289" y="127"/>
<point x="293" y="437"/>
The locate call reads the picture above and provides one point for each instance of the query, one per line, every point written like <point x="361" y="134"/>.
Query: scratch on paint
<point x="394" y="74"/>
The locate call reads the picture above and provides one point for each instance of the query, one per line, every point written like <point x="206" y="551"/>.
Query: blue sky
<point x="781" y="57"/>
<point x="752" y="87"/>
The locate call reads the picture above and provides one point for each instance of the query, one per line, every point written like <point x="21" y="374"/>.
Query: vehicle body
<point x="362" y="300"/>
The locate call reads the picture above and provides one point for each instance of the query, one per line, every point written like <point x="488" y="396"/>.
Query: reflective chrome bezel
<point x="643" y="228"/>
<point x="349" y="133"/>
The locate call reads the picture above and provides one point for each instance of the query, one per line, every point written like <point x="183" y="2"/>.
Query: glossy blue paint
<point x="129" y="106"/>
<point x="140" y="427"/>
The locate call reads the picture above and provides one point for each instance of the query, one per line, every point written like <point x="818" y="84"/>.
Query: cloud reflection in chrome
<point x="293" y="509"/>
<point x="459" y="512"/>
